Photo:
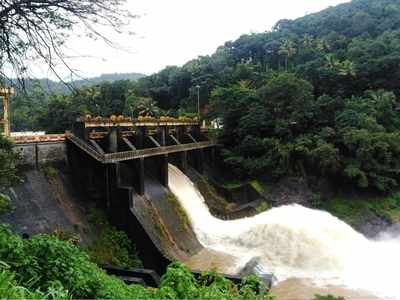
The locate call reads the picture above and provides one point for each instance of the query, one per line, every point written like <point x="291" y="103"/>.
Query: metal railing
<point x="135" y="154"/>
<point x="85" y="147"/>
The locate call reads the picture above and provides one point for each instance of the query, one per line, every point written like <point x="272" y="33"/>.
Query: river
<point x="302" y="247"/>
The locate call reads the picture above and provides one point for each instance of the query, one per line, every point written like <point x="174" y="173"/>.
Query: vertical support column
<point x="36" y="156"/>
<point x="200" y="160"/>
<point x="139" y="181"/>
<point x="213" y="155"/>
<point x="164" y="170"/>
<point x="107" y="175"/>
<point x="180" y="133"/>
<point x="162" y="133"/>
<point x="183" y="160"/>
<point x="90" y="184"/>
<point x="141" y="133"/>
<point x="195" y="131"/>
<point x="113" y="140"/>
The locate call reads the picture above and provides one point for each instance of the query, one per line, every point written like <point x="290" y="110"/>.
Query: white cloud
<point x="171" y="32"/>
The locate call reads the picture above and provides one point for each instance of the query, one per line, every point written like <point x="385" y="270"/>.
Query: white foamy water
<point x="294" y="241"/>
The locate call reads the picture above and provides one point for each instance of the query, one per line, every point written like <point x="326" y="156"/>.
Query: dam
<point x="131" y="171"/>
<point x="122" y="164"/>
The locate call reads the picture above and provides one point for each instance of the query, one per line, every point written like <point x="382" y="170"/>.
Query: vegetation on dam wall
<point x="8" y="163"/>
<point x="112" y="246"/>
<point x="184" y="219"/>
<point x="5" y="203"/>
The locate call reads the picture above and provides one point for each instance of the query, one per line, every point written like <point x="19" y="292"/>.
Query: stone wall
<point x="39" y="153"/>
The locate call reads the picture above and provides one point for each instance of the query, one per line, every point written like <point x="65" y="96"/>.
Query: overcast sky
<point x="171" y="32"/>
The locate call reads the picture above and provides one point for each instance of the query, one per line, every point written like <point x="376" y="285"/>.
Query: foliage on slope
<point x="45" y="267"/>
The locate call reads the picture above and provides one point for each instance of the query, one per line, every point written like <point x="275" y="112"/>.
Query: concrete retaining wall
<point x="35" y="154"/>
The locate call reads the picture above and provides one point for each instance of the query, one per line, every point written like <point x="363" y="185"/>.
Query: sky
<point x="172" y="32"/>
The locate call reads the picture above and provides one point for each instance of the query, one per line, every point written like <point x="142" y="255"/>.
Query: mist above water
<point x="296" y="242"/>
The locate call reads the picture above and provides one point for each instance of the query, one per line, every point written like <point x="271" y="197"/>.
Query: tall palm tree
<point x="322" y="44"/>
<point x="147" y="107"/>
<point x="288" y="49"/>
<point x="331" y="61"/>
<point x="346" y="68"/>
<point x="308" y="41"/>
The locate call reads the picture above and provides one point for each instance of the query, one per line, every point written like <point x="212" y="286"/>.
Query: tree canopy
<point x="314" y="96"/>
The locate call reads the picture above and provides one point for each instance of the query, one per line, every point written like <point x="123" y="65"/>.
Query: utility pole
<point x="198" y="101"/>
<point x="5" y="93"/>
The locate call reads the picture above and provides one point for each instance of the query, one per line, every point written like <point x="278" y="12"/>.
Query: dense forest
<point x="313" y="96"/>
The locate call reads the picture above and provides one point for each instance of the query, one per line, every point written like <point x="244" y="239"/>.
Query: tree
<point x="60" y="113"/>
<point x="288" y="99"/>
<point x="38" y="29"/>
<point x="287" y="49"/>
<point x="346" y="68"/>
<point x="308" y="41"/>
<point x="146" y="107"/>
<point x="26" y="108"/>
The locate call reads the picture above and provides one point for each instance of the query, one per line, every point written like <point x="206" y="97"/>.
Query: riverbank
<point x="369" y="214"/>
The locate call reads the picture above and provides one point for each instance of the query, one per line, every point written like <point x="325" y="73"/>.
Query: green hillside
<point x="315" y="96"/>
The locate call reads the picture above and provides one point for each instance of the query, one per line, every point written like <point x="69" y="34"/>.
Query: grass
<point x="264" y="206"/>
<point x="180" y="211"/>
<point x="352" y="210"/>
<point x="232" y="184"/>
<point x="160" y="228"/>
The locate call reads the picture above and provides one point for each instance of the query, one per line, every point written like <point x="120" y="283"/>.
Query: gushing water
<point x="294" y="241"/>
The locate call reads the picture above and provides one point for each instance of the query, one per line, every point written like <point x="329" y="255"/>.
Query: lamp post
<point x="5" y="93"/>
<point x="198" y="101"/>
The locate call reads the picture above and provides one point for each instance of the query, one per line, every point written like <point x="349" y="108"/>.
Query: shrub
<point x="50" y="172"/>
<point x="5" y="203"/>
<point x="113" y="247"/>
<point x="47" y="268"/>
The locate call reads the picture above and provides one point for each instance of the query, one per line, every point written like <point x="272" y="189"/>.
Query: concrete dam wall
<point x="41" y="153"/>
<point x="154" y="220"/>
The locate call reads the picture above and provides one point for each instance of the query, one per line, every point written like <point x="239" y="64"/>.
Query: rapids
<point x="296" y="242"/>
